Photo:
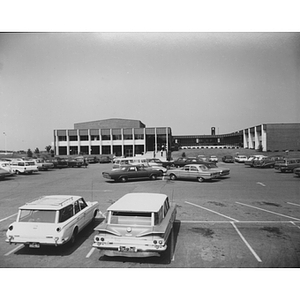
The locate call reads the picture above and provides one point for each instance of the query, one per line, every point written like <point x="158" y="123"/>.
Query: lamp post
<point x="4" y="142"/>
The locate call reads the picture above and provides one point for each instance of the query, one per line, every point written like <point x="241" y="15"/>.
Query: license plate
<point x="34" y="245"/>
<point x="127" y="249"/>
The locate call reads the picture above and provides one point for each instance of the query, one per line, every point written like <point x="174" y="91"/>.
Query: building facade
<point x="124" y="137"/>
<point x="273" y="137"/>
<point x="202" y="141"/>
<point x="120" y="137"/>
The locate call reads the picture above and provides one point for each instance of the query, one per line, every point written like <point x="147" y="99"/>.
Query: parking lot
<point x="250" y="219"/>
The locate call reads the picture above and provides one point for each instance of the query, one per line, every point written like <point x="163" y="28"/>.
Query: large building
<point x="273" y="137"/>
<point x="121" y="137"/>
<point x="124" y="137"/>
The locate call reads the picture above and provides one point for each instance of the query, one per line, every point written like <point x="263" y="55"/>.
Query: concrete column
<point x="68" y="142"/>
<point x="250" y="139"/>
<point x="122" y="145"/>
<point x="111" y="142"/>
<point x="56" y="142"/>
<point x="256" y="137"/>
<point x="264" y="138"/>
<point x="78" y="140"/>
<point x="133" y="142"/>
<point x="167" y="140"/>
<point x="155" y="140"/>
<point x="245" y="141"/>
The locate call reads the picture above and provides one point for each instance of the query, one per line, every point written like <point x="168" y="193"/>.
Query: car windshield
<point x="211" y="166"/>
<point x="30" y="163"/>
<point x="202" y="167"/>
<point x="131" y="218"/>
<point x="42" y="216"/>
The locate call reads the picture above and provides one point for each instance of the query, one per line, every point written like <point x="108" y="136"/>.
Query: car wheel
<point x="153" y="177"/>
<point x="18" y="172"/>
<point x="73" y="237"/>
<point x="94" y="216"/>
<point x="173" y="177"/>
<point x="170" y="247"/>
<point x="200" y="179"/>
<point x="123" y="179"/>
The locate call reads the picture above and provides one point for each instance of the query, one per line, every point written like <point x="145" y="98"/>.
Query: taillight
<point x="10" y="227"/>
<point x="58" y="229"/>
<point x="98" y="239"/>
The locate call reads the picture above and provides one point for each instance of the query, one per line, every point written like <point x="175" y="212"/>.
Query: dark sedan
<point x="266" y="162"/>
<point x="182" y="161"/>
<point x="127" y="172"/>
<point x="59" y="163"/>
<point x="228" y="159"/>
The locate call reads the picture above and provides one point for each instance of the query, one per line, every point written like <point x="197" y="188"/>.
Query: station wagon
<point x="287" y="165"/>
<point x="137" y="225"/>
<point x="51" y="220"/>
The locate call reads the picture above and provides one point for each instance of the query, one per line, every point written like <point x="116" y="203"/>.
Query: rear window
<point x="41" y="216"/>
<point x="131" y="218"/>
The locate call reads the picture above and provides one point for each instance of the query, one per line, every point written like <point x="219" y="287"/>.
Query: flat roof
<point x="50" y="202"/>
<point x="139" y="202"/>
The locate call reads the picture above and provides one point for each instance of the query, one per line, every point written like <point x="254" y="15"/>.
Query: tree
<point x="36" y="151"/>
<point x="48" y="148"/>
<point x="29" y="153"/>
<point x="183" y="154"/>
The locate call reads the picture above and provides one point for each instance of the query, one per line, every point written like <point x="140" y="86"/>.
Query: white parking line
<point x="271" y="212"/>
<point x="247" y="244"/>
<point x="8" y="217"/>
<point x="240" y="222"/>
<point x="14" y="250"/>
<point x="293" y="204"/>
<point x="294" y="224"/>
<point x="211" y="211"/>
<point x="90" y="252"/>
<point x="261" y="183"/>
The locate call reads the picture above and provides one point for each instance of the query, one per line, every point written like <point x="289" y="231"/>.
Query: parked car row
<point x="197" y="170"/>
<point x="16" y="166"/>
<point x="137" y="225"/>
<point x="278" y="162"/>
<point x="288" y="165"/>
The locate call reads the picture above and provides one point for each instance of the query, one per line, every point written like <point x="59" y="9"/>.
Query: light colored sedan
<point x="193" y="172"/>
<point x="213" y="158"/>
<point x="240" y="158"/>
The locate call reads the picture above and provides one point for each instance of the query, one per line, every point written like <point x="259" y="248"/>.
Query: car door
<point x="132" y="172"/>
<point x="86" y="211"/>
<point x="193" y="172"/>
<point x="79" y="215"/>
<point x="185" y="172"/>
<point x="142" y="172"/>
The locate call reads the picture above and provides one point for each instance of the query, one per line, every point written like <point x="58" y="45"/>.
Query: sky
<point x="189" y="81"/>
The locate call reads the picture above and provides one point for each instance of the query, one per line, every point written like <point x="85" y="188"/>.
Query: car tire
<point x="173" y="176"/>
<point x="200" y="179"/>
<point x="153" y="177"/>
<point x="170" y="247"/>
<point x="73" y="237"/>
<point x="123" y="179"/>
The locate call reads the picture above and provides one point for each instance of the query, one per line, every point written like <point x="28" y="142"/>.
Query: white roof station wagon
<point x="51" y="220"/>
<point x="137" y="225"/>
<point x="20" y="166"/>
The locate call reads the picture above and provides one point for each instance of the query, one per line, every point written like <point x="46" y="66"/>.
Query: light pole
<point x="4" y="142"/>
